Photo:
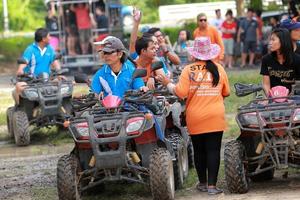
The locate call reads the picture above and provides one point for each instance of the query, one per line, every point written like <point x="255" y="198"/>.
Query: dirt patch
<point x="8" y="68"/>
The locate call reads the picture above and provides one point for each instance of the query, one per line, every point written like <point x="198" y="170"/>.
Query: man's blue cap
<point x="289" y="24"/>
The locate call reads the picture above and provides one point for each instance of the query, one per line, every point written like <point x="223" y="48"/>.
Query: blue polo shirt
<point x="117" y="83"/>
<point x="38" y="60"/>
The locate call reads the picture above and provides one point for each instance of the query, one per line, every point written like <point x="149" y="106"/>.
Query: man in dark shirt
<point x="101" y="19"/>
<point x="294" y="28"/>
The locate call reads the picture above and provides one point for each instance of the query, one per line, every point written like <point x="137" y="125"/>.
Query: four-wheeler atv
<point x="269" y="139"/>
<point x="42" y="103"/>
<point x="127" y="139"/>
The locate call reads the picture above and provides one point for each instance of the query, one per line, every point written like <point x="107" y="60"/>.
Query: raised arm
<point x="137" y="16"/>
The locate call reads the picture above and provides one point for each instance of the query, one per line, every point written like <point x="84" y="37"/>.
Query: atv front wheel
<point x="191" y="154"/>
<point x="67" y="180"/>
<point x="9" y="121"/>
<point x="21" y="128"/>
<point x="161" y="175"/>
<point x="235" y="173"/>
<point x="181" y="164"/>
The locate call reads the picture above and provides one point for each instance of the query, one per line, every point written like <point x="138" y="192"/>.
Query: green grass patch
<point x="43" y="193"/>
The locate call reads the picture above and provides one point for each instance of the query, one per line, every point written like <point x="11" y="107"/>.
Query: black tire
<point x="191" y="155"/>
<point x="9" y="121"/>
<point x="21" y="128"/>
<point x="161" y="175"/>
<point x="67" y="186"/>
<point x="235" y="173"/>
<point x="181" y="164"/>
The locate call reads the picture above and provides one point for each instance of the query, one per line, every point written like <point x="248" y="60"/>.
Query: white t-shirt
<point x="217" y="23"/>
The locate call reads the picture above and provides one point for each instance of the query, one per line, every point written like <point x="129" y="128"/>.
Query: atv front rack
<point x="263" y="115"/>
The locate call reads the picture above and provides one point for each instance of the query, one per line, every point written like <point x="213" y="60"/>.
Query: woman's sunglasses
<point x="202" y="20"/>
<point x="106" y="53"/>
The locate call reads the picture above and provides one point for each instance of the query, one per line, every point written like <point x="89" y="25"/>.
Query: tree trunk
<point x="240" y="7"/>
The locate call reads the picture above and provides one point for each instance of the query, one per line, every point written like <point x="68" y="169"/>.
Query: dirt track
<point x="30" y="173"/>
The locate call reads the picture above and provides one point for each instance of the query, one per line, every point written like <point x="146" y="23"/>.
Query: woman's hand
<point x="163" y="79"/>
<point x="151" y="83"/>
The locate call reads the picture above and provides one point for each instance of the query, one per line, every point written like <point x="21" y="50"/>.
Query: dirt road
<point x="30" y="173"/>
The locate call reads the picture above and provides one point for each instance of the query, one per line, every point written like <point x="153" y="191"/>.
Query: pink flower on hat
<point x="202" y="49"/>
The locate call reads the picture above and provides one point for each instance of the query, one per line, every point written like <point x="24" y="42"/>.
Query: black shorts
<point x="249" y="47"/>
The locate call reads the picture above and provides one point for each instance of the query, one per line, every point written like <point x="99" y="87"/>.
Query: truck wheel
<point x="235" y="173"/>
<point x="67" y="180"/>
<point x="21" y="128"/>
<point x="181" y="164"/>
<point x="191" y="154"/>
<point x="9" y="121"/>
<point x="161" y="175"/>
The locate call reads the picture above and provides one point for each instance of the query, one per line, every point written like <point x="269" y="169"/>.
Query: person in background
<point x="205" y="30"/>
<point x="71" y="29"/>
<point x="274" y="22"/>
<point x="281" y="65"/>
<point x="248" y="34"/>
<point x="165" y="50"/>
<point x="180" y="46"/>
<point x="217" y="22"/>
<point x="204" y="84"/>
<point x="114" y="77"/>
<point x="84" y="24"/>
<point x="228" y="29"/>
<point x="51" y="21"/>
<point x="100" y="21"/>
<point x="294" y="29"/>
<point x="39" y="57"/>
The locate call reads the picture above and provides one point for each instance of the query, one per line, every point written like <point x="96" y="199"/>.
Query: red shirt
<point x="228" y="26"/>
<point x="82" y="18"/>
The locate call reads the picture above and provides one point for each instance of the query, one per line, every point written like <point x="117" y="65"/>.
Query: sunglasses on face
<point x="106" y="53"/>
<point x="202" y="20"/>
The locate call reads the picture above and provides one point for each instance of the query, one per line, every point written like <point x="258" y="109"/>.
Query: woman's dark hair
<point x="213" y="69"/>
<point x="40" y="34"/>
<point x="123" y="58"/>
<point x="142" y="43"/>
<point x="188" y="34"/>
<point x="229" y="12"/>
<point x="286" y="45"/>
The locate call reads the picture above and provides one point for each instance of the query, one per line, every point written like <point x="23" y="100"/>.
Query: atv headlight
<point x="82" y="129"/>
<point x="31" y="94"/>
<point x="65" y="90"/>
<point x="249" y="119"/>
<point x="296" y="117"/>
<point x="134" y="125"/>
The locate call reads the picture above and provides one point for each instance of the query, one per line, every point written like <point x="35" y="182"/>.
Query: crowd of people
<point x="78" y="20"/>
<point x="203" y="82"/>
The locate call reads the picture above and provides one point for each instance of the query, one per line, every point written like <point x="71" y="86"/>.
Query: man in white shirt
<point x="217" y="22"/>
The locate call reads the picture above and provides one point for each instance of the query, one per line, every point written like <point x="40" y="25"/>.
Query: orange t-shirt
<point x="214" y="36"/>
<point x="205" y="108"/>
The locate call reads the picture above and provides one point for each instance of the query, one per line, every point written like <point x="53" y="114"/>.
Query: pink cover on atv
<point x="111" y="101"/>
<point x="279" y="91"/>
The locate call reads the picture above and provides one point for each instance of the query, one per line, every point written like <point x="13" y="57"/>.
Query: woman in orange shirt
<point x="204" y="84"/>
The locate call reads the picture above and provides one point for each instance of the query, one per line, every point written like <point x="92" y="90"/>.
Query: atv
<point x="129" y="140"/>
<point x="269" y="138"/>
<point x="43" y="102"/>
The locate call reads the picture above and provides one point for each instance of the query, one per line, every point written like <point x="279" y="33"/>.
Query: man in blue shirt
<point x="114" y="78"/>
<point x="39" y="56"/>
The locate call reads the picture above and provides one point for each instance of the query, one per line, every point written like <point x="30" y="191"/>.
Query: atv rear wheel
<point x="67" y="179"/>
<point x="21" y="128"/>
<point x="181" y="164"/>
<point x="9" y="121"/>
<point x="235" y="173"/>
<point x="161" y="175"/>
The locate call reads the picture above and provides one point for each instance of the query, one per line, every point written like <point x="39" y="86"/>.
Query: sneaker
<point x="201" y="187"/>
<point x="214" y="191"/>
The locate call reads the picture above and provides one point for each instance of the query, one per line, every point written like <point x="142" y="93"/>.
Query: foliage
<point x="173" y="32"/>
<point x="12" y="48"/>
<point x="256" y="4"/>
<point x="24" y="15"/>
